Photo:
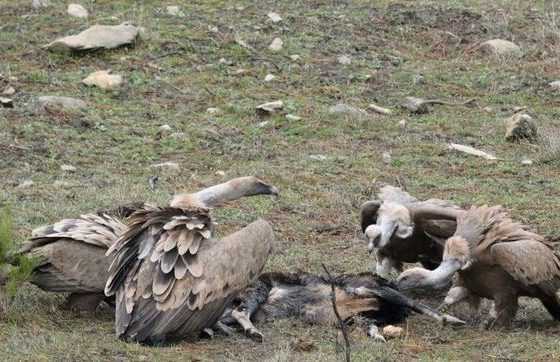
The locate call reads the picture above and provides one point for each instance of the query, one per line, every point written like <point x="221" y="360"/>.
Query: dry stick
<point x="340" y="321"/>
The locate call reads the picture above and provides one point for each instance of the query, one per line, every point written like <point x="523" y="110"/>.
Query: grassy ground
<point x="175" y="73"/>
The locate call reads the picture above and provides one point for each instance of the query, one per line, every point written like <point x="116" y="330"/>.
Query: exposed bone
<point x="471" y="151"/>
<point x="380" y="110"/>
<point x="420" y="105"/>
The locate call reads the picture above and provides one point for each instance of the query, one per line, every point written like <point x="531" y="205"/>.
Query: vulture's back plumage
<point x="172" y="279"/>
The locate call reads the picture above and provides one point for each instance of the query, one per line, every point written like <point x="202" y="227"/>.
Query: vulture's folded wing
<point x="530" y="262"/>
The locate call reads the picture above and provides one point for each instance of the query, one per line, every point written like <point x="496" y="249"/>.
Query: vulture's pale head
<point x="391" y="220"/>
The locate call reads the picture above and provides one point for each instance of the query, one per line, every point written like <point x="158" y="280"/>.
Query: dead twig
<point x="340" y="321"/>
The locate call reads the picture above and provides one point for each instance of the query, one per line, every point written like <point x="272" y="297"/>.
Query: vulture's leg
<point x="505" y="307"/>
<point x="83" y="302"/>
<point x="385" y="265"/>
<point x="255" y="296"/>
<point x="373" y="332"/>
<point x="551" y="304"/>
<point x="459" y="294"/>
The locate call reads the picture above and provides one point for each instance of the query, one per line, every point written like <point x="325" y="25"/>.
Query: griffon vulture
<point x="308" y="296"/>
<point x="171" y="278"/>
<point x="71" y="252"/>
<point x="494" y="258"/>
<point x="402" y="229"/>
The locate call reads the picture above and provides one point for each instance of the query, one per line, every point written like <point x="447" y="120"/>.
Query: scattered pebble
<point x="171" y="166"/>
<point x="220" y="173"/>
<point x="263" y="124"/>
<point x="77" y="10"/>
<point x="213" y="110"/>
<point x="274" y="17"/>
<point x="174" y="10"/>
<point x="318" y="157"/>
<point x="64" y="103"/>
<point x="342" y="108"/>
<point x="276" y="45"/>
<point x="269" y="77"/>
<point x="488" y="109"/>
<point x="225" y="61"/>
<point x="270" y="107"/>
<point x="402" y="123"/>
<point x="392" y="331"/>
<point x="293" y="117"/>
<point x="104" y="80"/>
<point x="500" y="47"/>
<point x="37" y="4"/>
<point x="96" y="37"/>
<point x="344" y="60"/>
<point x="386" y="157"/>
<point x="25" y="184"/>
<point x="418" y="79"/>
<point x="526" y="162"/>
<point x="520" y="126"/>
<point x="6" y="102"/>
<point x="295" y="57"/>
<point x="555" y="85"/>
<point x="8" y="91"/>
<point x="177" y="135"/>
<point x="68" y="168"/>
<point x="163" y="130"/>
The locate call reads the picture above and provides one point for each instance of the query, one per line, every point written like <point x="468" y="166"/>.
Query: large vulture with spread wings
<point x="171" y="277"/>
<point x="495" y="258"/>
<point x="401" y="228"/>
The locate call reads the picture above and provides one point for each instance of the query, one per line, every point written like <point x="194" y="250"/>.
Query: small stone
<point x="25" y="184"/>
<point x="6" y="102"/>
<point x="225" y="61"/>
<point x="292" y="117"/>
<point x="163" y="130"/>
<point x="96" y="37"/>
<point x="418" y="79"/>
<point x="526" y="162"/>
<point x="104" y="80"/>
<point x="8" y="91"/>
<point x="500" y="47"/>
<point x="174" y="10"/>
<point x="220" y="173"/>
<point x="68" y="168"/>
<point x="386" y="156"/>
<point x="555" y="85"/>
<point x="270" y="107"/>
<point x="64" y="103"/>
<point x="269" y="77"/>
<point x="402" y="123"/>
<point x="520" y="126"/>
<point x="488" y="109"/>
<point x="171" y="166"/>
<point x="263" y="124"/>
<point x="295" y="57"/>
<point x="342" y="108"/>
<point x="318" y="157"/>
<point x="77" y="11"/>
<point x="213" y="110"/>
<point x="276" y="45"/>
<point x="274" y="17"/>
<point x="392" y="331"/>
<point x="178" y="135"/>
<point x="344" y="60"/>
<point x="213" y="29"/>
<point x="37" y="4"/>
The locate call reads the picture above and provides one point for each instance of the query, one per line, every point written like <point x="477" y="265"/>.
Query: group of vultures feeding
<point x="169" y="277"/>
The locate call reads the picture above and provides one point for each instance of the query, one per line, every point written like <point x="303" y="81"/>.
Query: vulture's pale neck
<point x="442" y="275"/>
<point x="222" y="193"/>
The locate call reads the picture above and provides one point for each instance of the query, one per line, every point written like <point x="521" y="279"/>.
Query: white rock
<point x="164" y="129"/>
<point x="37" y="4"/>
<point x="220" y="173"/>
<point x="77" y="11"/>
<point x="276" y="45"/>
<point x="213" y="29"/>
<point x="174" y="10"/>
<point x="269" y="77"/>
<point x="270" y="107"/>
<point x="295" y="57"/>
<point x="178" y="135"/>
<point x="25" y="184"/>
<point x="263" y="124"/>
<point x="293" y="117"/>
<point x="274" y="17"/>
<point x="386" y="156"/>
<point x="318" y="157"/>
<point x="213" y="110"/>
<point x="555" y="85"/>
<point x="344" y="59"/>
<point x="171" y="166"/>
<point x="8" y="91"/>
<point x="103" y="79"/>
<point x="501" y="47"/>
<point x="341" y="108"/>
<point x="526" y="162"/>
<point x="64" y="103"/>
<point x="68" y="168"/>
<point x="402" y="123"/>
<point x="488" y="109"/>
<point x="6" y="102"/>
<point x="96" y="37"/>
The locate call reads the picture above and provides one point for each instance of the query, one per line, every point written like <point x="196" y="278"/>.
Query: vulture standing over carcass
<point x="308" y="297"/>
<point x="494" y="258"/>
<point x="403" y="229"/>
<point x="171" y="278"/>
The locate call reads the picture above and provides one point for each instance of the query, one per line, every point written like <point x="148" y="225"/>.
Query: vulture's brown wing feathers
<point x="474" y="224"/>
<point x="530" y="262"/>
<point x="171" y="279"/>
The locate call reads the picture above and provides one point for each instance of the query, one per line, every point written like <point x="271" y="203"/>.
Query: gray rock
<point x="276" y="45"/>
<point x="8" y="91"/>
<point x="521" y="126"/>
<point x="500" y="47"/>
<point x="96" y="37"/>
<point x="37" y="4"/>
<point x="274" y="17"/>
<point x="77" y="11"/>
<point x="64" y="103"/>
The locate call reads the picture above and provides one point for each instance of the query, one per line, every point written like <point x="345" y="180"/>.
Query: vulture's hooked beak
<point x="420" y="278"/>
<point x="373" y="235"/>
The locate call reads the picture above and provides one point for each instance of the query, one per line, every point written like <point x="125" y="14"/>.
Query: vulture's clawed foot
<point x="373" y="332"/>
<point x="449" y="319"/>
<point x="255" y="335"/>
